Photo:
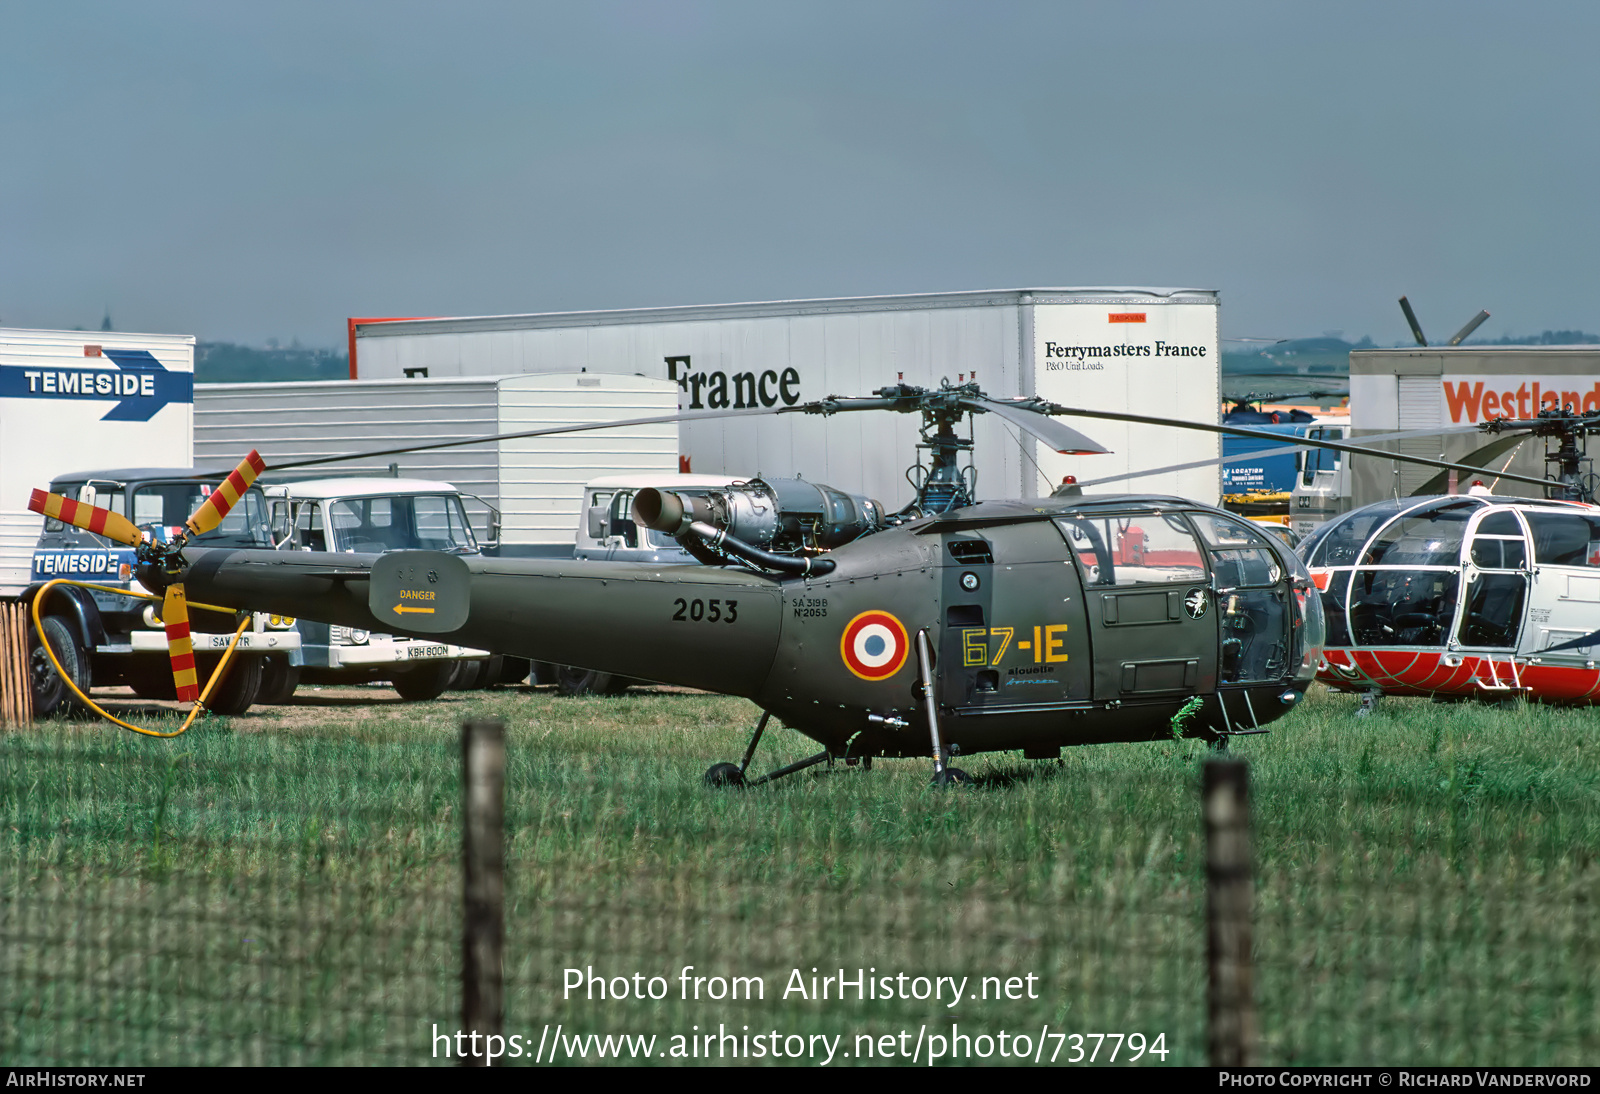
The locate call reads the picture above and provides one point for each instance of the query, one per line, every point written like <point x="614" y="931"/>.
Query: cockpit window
<point x="1565" y="539"/>
<point x="1240" y="556"/>
<point x="1428" y="538"/>
<point x="1339" y="541"/>
<point x="1134" y="548"/>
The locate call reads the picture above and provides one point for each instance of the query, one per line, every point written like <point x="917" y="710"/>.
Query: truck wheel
<point x="475" y="675"/>
<point x="426" y="681"/>
<point x="50" y="692"/>
<point x="489" y="675"/>
<point x="236" y="691"/>
<point x="571" y="680"/>
<point x="278" y="681"/>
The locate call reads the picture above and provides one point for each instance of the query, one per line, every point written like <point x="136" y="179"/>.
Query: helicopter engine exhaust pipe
<point x="689" y="520"/>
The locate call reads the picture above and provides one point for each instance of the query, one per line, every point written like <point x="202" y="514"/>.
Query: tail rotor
<point x="162" y="562"/>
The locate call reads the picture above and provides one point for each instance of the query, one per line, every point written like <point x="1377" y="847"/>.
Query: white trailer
<point x="1146" y="351"/>
<point x="76" y="410"/>
<point x="535" y="483"/>
<point x="72" y="400"/>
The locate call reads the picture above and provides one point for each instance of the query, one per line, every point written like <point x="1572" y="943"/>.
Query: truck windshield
<point x="428" y="522"/>
<point x="162" y="507"/>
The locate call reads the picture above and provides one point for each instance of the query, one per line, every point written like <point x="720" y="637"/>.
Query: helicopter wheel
<point x="724" y="774"/>
<point x="952" y="776"/>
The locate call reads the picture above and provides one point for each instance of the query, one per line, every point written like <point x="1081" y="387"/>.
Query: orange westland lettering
<point x="1459" y="398"/>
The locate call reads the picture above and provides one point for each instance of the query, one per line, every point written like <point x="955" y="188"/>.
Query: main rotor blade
<point x="180" y="647"/>
<point x="1233" y="430"/>
<point x="1472" y="324"/>
<point x="102" y="522"/>
<point x="1411" y="317"/>
<point x="1478" y="457"/>
<point x="1263" y="453"/>
<point x="583" y="427"/>
<point x="1576" y="643"/>
<point x="225" y="497"/>
<point x="1059" y="436"/>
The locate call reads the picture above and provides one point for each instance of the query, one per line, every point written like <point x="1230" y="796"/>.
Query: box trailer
<point x="71" y="400"/>
<point x="1147" y="351"/>
<point x="76" y="410"/>
<point x="1443" y="387"/>
<point x="535" y="483"/>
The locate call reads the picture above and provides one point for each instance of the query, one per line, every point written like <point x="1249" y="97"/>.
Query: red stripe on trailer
<point x="350" y="326"/>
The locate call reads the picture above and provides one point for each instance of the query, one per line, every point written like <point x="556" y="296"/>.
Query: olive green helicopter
<point x="949" y="627"/>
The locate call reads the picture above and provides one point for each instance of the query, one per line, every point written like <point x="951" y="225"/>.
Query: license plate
<point x="213" y="641"/>
<point x="415" y="652"/>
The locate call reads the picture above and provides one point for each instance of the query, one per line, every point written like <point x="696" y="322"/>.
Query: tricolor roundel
<point x="874" y="645"/>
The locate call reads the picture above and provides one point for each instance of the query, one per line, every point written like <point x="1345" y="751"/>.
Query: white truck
<point x="71" y="400"/>
<point x="369" y="515"/>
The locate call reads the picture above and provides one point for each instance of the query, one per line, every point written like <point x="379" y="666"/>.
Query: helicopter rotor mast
<point x="945" y="487"/>
<point x="1566" y="448"/>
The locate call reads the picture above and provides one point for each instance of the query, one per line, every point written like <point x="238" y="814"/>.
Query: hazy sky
<point x="246" y="171"/>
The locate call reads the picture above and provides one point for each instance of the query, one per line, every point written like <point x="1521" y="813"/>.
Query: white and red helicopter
<point x="1469" y="596"/>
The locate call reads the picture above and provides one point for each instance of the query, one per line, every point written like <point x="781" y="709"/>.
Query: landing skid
<point x="726" y="774"/>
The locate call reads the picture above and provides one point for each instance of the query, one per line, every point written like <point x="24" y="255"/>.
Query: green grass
<point x="286" y="889"/>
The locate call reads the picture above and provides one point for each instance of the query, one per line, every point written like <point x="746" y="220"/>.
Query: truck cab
<point x="1321" y="489"/>
<point x="371" y="515"/>
<point x="106" y="638"/>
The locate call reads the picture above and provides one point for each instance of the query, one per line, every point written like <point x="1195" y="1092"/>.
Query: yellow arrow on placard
<point x="403" y="608"/>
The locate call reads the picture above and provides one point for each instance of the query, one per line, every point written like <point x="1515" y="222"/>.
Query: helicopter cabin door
<point x="1496" y="577"/>
<point x="1013" y="634"/>
<point x="1149" y="601"/>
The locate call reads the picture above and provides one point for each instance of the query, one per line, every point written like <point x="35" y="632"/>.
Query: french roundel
<point x="874" y="645"/>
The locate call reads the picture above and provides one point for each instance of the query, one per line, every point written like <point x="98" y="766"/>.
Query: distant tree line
<point x="230" y="363"/>
<point x="1331" y="356"/>
<point x="1548" y="338"/>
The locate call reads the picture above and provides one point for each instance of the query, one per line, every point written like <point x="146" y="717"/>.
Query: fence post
<point x="483" y="794"/>
<point x="1229" y="895"/>
<point x="16" y="680"/>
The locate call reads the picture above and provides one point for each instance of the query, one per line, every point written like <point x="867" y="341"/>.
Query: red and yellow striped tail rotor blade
<point x="226" y="496"/>
<point x="102" y="522"/>
<point x="175" y="614"/>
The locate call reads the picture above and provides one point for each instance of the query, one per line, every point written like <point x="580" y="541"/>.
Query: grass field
<point x="284" y="886"/>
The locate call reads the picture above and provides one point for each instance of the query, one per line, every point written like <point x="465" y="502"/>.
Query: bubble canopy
<point x="1442" y="571"/>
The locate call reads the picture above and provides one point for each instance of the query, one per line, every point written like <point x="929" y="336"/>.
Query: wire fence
<point x="240" y="900"/>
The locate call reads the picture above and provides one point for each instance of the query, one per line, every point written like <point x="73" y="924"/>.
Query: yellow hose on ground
<point x="216" y="677"/>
